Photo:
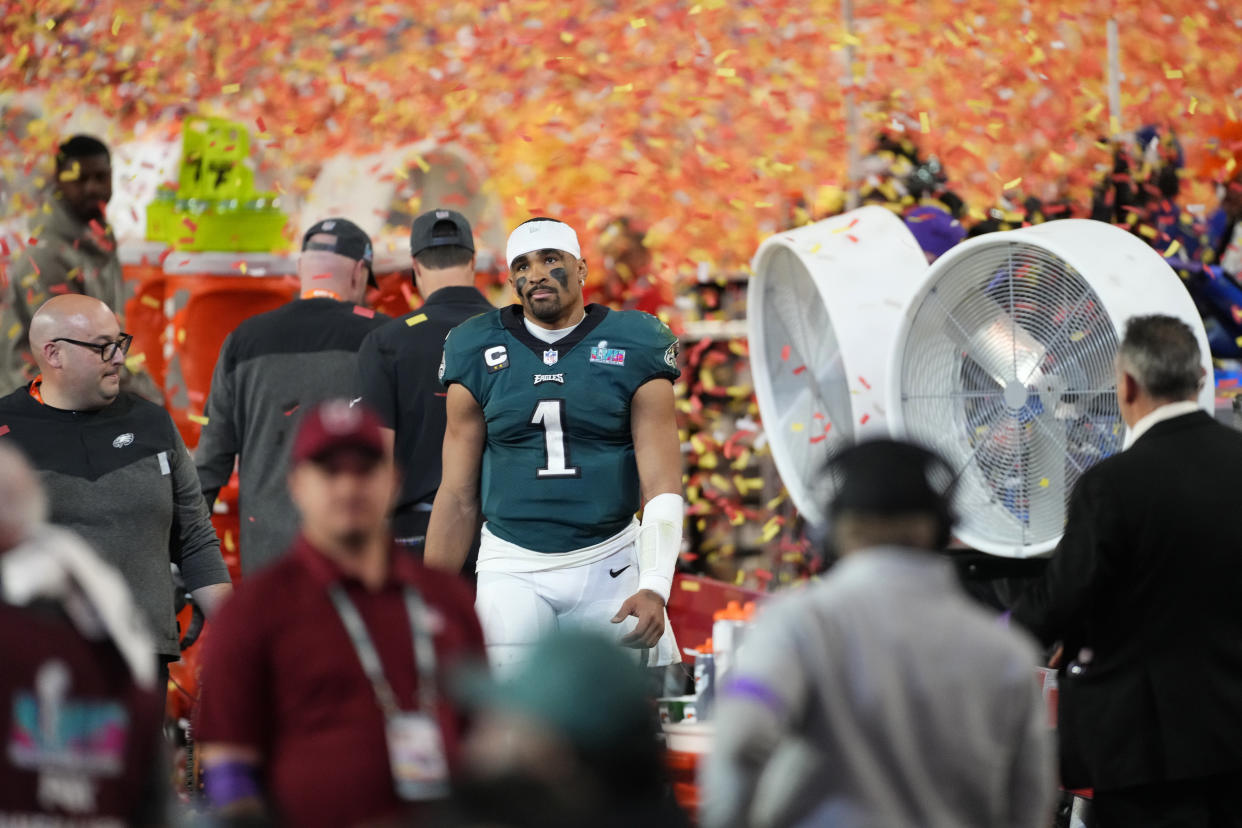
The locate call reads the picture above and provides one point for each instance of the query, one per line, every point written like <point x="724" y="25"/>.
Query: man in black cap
<point x="272" y="368"/>
<point x="398" y="364"/>
<point x="901" y="701"/>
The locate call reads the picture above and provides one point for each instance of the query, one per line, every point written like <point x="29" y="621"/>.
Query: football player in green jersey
<point x="560" y="418"/>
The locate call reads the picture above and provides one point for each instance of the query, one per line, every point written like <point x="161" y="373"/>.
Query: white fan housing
<point x="1004" y="364"/>
<point x="824" y="302"/>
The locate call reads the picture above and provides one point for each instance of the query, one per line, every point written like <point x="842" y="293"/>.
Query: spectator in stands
<point x="277" y="365"/>
<point x="935" y="230"/>
<point x="399" y="364"/>
<point x="75" y="253"/>
<point x="1142" y="593"/>
<point x="335" y="659"/>
<point x="569" y="741"/>
<point x="1227" y="223"/>
<point x="79" y="714"/>
<point x="115" y="468"/>
<point x="904" y="702"/>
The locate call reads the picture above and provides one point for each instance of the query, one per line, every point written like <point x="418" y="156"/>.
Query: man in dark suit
<point x="1145" y="595"/>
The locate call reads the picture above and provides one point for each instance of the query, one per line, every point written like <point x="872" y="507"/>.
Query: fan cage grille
<point x="1007" y="370"/>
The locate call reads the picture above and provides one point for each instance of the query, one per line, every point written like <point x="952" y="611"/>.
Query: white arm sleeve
<point x="659" y="543"/>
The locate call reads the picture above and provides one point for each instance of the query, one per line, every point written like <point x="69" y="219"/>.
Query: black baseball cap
<point x="350" y="241"/>
<point x="889" y="477"/>
<point x="422" y="231"/>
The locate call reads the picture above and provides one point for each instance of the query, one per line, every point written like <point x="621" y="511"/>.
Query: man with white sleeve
<point x="560" y="417"/>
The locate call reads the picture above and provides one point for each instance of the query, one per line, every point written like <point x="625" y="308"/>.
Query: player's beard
<point x="546" y="310"/>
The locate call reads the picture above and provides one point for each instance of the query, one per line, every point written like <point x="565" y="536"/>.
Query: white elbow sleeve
<point x="659" y="543"/>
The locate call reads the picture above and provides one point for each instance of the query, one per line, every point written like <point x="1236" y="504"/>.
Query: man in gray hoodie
<point x="881" y="695"/>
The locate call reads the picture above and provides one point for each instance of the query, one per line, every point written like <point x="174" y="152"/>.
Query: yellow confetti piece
<point x="638" y="23"/>
<point x="150" y="302"/>
<point x="1077" y="336"/>
<point x="741" y="576"/>
<point x="719" y="482"/>
<point x="1044" y="483"/>
<point x="415" y="320"/>
<point x="770" y="530"/>
<point x="1172" y="74"/>
<point x="116" y="25"/>
<point x="566" y="37"/>
<point x="200" y="420"/>
<point x="135" y="361"/>
<point x="230" y="88"/>
<point x="726" y="72"/>
<point x="924" y="122"/>
<point x="1194" y="104"/>
<point x="1173" y="248"/>
<point x="1009" y="185"/>
<point x="73" y="173"/>
<point x="797" y="427"/>
<point x="1147" y="231"/>
<point x="628" y="87"/>
<point x="690" y="586"/>
<point x="181" y="336"/>
<point x="723" y="56"/>
<point x="229" y="544"/>
<point x="422" y="165"/>
<point x="14" y="330"/>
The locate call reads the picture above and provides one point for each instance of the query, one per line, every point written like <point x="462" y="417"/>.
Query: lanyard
<point x="424" y="650"/>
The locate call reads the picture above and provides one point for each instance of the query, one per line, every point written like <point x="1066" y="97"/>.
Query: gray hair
<point x="23" y="505"/>
<point x="1163" y="356"/>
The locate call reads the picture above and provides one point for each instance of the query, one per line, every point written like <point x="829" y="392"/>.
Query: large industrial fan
<point x="823" y="307"/>
<point x="1004" y="364"/>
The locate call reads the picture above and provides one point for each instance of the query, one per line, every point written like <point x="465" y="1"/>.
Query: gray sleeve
<point x="15" y="325"/>
<point x="1032" y="780"/>
<point x="218" y="445"/>
<point x="193" y="545"/>
<point x="757" y="705"/>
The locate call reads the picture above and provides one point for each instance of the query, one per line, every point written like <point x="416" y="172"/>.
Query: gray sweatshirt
<point x="881" y="696"/>
<point x="122" y="479"/>
<point x="273" y="368"/>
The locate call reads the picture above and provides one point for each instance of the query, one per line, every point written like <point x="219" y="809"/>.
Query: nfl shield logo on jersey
<point x="551" y="356"/>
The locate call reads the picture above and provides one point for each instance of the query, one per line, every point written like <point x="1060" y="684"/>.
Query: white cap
<point x="541" y="235"/>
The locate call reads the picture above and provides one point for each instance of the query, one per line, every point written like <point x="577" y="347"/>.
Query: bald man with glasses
<point x="115" y="468"/>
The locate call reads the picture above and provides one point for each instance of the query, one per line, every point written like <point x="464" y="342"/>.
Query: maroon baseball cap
<point x="336" y="424"/>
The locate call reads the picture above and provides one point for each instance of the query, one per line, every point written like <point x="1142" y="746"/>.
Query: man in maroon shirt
<point x="79" y="715"/>
<point x="322" y="700"/>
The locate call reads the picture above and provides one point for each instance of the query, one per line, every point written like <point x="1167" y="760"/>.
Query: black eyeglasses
<point x="107" y="350"/>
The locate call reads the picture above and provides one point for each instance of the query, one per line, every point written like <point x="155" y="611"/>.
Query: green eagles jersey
<point x="558" y="467"/>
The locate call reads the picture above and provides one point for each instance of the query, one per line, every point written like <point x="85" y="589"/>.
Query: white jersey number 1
<point x="550" y="414"/>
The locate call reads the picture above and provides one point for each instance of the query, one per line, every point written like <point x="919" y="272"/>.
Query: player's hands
<point x="648" y="608"/>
